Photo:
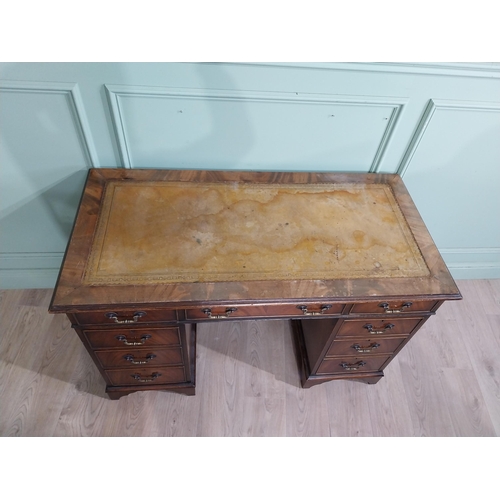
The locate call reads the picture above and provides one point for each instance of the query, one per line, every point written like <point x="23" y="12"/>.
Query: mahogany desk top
<point x="178" y="236"/>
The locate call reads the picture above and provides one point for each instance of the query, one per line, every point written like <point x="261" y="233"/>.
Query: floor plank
<point x="387" y="402"/>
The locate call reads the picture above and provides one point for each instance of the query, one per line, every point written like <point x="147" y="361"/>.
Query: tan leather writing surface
<point x="170" y="232"/>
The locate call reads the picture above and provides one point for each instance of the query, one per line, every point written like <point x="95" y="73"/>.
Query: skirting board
<point x="12" y="279"/>
<point x="21" y="270"/>
<point x="472" y="263"/>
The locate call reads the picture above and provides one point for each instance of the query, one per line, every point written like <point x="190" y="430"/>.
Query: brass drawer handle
<point x="154" y="376"/>
<point x="229" y="311"/>
<point x="369" y="327"/>
<point x="369" y="348"/>
<point x="353" y="366"/>
<point x="147" y="359"/>
<point x="123" y="339"/>
<point x="314" y="313"/>
<point x="135" y="317"/>
<point x="404" y="306"/>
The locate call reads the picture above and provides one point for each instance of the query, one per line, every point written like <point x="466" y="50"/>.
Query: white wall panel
<point x="44" y="134"/>
<point x="241" y="130"/>
<point x="452" y="169"/>
<point x="45" y="146"/>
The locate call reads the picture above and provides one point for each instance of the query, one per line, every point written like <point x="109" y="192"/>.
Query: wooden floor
<point x="445" y="382"/>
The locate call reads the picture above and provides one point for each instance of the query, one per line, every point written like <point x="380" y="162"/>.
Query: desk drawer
<point x="264" y="311"/>
<point x="393" y="307"/>
<point x="139" y="357"/>
<point x="348" y="364"/>
<point x="374" y="327"/>
<point x="121" y="317"/>
<point x="130" y="338"/>
<point x="365" y="346"/>
<point x="147" y="376"/>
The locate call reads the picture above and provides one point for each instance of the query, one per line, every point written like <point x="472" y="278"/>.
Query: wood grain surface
<point x="78" y="287"/>
<point x="445" y="382"/>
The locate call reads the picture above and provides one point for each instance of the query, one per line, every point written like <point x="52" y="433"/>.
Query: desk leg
<point x="115" y="393"/>
<point x="301" y="354"/>
<point x="370" y="380"/>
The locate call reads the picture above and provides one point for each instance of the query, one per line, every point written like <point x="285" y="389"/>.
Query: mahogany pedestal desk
<point x="345" y="257"/>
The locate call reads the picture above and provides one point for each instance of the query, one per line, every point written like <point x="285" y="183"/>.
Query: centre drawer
<point x="139" y="357"/>
<point x="264" y="311"/>
<point x="373" y="327"/>
<point x="130" y="338"/>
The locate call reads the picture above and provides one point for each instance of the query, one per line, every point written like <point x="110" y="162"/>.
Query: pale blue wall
<point x="438" y="125"/>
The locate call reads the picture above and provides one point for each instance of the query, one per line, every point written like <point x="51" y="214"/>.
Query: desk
<point x="345" y="257"/>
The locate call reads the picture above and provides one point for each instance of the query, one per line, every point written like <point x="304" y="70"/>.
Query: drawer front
<point x="130" y="338"/>
<point x="393" y="306"/>
<point x="364" y="346"/>
<point x="120" y="317"/>
<point x="264" y="311"/>
<point x="351" y="365"/>
<point x="373" y="327"/>
<point x="147" y="376"/>
<point x="139" y="357"/>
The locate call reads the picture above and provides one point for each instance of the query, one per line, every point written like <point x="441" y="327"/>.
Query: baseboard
<point x="472" y="263"/>
<point x="12" y="279"/>
<point x="19" y="270"/>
